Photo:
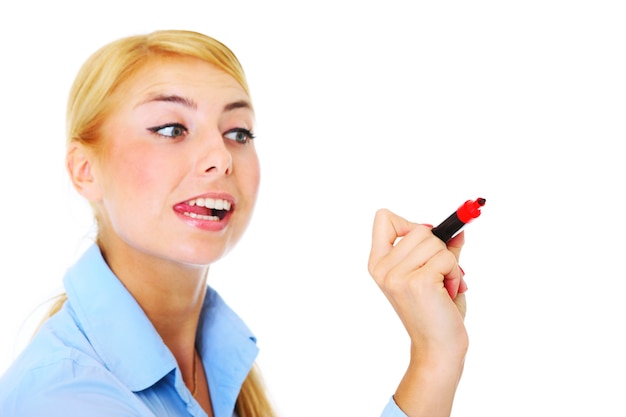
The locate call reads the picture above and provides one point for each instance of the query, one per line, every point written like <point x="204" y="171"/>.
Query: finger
<point x="444" y="269"/>
<point x="388" y="227"/>
<point x="413" y="252"/>
<point x="452" y="285"/>
<point x="461" y="304"/>
<point x="463" y="287"/>
<point x="456" y="244"/>
<point x="456" y="286"/>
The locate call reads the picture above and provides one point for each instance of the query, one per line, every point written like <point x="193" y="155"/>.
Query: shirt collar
<point x="130" y="347"/>
<point x="228" y="350"/>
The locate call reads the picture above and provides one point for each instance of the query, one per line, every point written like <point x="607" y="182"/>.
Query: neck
<point x="170" y="294"/>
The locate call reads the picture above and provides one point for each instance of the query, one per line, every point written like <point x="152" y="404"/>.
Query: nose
<point x="215" y="157"/>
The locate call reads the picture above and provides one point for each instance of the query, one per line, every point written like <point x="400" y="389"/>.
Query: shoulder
<point x="58" y="374"/>
<point x="67" y="385"/>
<point x="56" y="344"/>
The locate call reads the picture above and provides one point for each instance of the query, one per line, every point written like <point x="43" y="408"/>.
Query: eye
<point x="172" y="130"/>
<point x="239" y="135"/>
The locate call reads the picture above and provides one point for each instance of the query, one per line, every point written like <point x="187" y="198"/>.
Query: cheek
<point x="251" y="175"/>
<point x="133" y="175"/>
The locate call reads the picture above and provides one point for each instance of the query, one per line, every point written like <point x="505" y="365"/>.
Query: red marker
<point x="464" y="214"/>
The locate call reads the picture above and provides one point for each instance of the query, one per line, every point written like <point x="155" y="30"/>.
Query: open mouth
<point x="207" y="208"/>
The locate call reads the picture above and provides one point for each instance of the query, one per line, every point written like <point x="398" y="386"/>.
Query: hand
<point x="420" y="276"/>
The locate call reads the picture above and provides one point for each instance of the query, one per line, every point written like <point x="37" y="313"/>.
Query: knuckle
<point x="381" y="214"/>
<point x="397" y="284"/>
<point x="378" y="271"/>
<point x="446" y="260"/>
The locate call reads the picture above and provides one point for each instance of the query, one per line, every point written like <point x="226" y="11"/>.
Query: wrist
<point x="429" y="385"/>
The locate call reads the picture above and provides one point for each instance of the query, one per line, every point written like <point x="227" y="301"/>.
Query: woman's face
<point x="177" y="172"/>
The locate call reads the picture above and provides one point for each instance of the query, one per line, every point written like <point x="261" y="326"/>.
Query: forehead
<point x="189" y="77"/>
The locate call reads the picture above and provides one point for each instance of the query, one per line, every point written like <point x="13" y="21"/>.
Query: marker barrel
<point x="448" y="228"/>
<point x="455" y="222"/>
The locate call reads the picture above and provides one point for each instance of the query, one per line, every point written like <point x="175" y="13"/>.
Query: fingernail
<point x="462" y="272"/>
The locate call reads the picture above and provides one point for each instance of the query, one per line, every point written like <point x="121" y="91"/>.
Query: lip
<point x="209" y="225"/>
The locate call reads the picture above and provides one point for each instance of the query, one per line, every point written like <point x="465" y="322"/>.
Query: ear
<point x="80" y="164"/>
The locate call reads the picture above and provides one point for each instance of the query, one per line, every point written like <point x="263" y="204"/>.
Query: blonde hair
<point x="90" y="102"/>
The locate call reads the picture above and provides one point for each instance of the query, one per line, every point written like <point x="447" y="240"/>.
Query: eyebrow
<point x="172" y="98"/>
<point x="241" y="104"/>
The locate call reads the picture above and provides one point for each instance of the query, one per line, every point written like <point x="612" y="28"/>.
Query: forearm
<point x="428" y="387"/>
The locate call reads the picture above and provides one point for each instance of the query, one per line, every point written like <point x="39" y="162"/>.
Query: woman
<point x="160" y="143"/>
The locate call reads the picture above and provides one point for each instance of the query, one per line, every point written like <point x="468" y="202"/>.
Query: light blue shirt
<point x="100" y="356"/>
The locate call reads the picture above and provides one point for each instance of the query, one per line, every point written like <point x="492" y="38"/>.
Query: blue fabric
<point x="392" y="410"/>
<point x="100" y="356"/>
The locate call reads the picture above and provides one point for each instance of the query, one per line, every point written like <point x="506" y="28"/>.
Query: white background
<point x="413" y="106"/>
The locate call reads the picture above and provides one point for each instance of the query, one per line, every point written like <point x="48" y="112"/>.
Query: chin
<point x="200" y="258"/>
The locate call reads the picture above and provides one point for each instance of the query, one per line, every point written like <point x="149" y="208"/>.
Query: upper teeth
<point x="212" y="203"/>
